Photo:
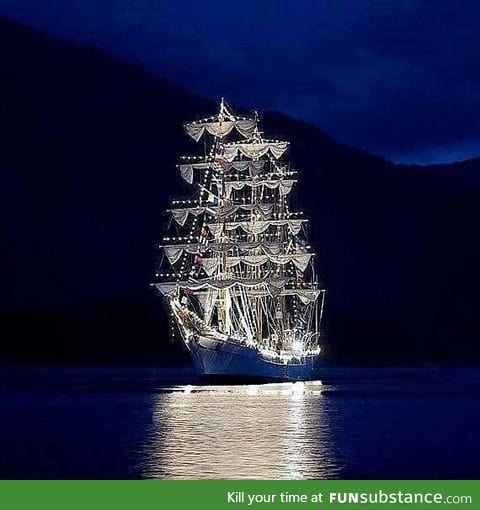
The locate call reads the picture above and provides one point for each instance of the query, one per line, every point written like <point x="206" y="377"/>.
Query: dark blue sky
<point x="399" y="78"/>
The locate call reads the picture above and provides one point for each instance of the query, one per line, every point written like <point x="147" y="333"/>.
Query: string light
<point x="280" y="210"/>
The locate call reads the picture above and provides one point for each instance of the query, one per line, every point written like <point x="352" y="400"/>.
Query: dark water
<point x="142" y="423"/>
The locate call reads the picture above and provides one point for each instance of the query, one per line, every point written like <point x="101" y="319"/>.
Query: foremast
<point x="240" y="263"/>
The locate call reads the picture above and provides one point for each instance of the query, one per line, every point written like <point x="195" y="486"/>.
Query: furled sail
<point x="307" y="296"/>
<point x="180" y="214"/>
<point x="254" y="168"/>
<point x="273" y="285"/>
<point x="175" y="251"/>
<point x="254" y="150"/>
<point x="256" y="227"/>
<point x="220" y="128"/>
<point x="300" y="260"/>
<point x="222" y="125"/>
<point x="283" y="185"/>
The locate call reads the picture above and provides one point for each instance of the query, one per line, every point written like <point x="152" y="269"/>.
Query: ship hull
<point x="218" y="359"/>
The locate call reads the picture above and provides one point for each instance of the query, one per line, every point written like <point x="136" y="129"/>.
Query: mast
<point x="224" y="301"/>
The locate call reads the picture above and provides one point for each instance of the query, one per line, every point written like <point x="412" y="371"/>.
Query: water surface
<point x="148" y="423"/>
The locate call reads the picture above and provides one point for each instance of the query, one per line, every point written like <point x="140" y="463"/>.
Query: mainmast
<point x="224" y="304"/>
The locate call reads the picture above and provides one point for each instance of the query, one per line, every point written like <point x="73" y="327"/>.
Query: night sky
<point x="397" y="78"/>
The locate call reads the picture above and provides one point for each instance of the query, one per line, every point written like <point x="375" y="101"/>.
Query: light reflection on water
<point x="254" y="431"/>
<point x="362" y="423"/>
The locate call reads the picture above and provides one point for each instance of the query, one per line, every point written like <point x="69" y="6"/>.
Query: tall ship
<point x="237" y="271"/>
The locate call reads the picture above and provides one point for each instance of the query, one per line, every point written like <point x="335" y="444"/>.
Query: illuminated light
<point x="297" y="346"/>
<point x="298" y="388"/>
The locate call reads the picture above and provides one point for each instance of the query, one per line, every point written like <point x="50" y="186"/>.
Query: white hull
<point x="223" y="359"/>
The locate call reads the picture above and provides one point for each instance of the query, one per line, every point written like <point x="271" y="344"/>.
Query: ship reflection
<point x="272" y="431"/>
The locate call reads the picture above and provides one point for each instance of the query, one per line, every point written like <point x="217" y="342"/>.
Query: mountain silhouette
<point x="88" y="146"/>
